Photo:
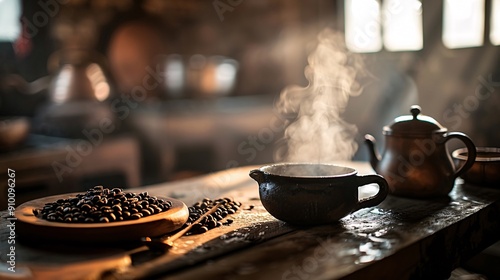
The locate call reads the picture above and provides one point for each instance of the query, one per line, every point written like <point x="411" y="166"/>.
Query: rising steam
<point x="318" y="133"/>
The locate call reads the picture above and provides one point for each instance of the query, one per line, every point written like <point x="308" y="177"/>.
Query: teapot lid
<point x="413" y="125"/>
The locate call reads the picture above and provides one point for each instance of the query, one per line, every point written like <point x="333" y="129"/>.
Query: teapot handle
<point x="471" y="150"/>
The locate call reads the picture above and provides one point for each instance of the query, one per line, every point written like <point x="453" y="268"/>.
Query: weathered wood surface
<point x="399" y="239"/>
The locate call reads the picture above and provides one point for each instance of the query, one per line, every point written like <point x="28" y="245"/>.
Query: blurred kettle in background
<point x="78" y="84"/>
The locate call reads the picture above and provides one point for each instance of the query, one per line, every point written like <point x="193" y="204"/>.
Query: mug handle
<point x="377" y="198"/>
<point x="471" y="151"/>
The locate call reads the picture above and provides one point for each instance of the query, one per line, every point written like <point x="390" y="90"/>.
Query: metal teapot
<point x="416" y="162"/>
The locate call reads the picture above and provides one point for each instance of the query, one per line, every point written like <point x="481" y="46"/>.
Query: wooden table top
<point x="399" y="239"/>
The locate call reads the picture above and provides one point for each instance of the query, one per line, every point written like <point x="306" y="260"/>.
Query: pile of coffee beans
<point x="226" y="207"/>
<point x="102" y="205"/>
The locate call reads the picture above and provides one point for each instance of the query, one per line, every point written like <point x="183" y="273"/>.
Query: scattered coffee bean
<point x="103" y="205"/>
<point x="203" y="229"/>
<point x="226" y="207"/>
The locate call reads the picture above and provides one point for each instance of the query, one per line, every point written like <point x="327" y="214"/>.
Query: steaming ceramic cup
<point x="307" y="194"/>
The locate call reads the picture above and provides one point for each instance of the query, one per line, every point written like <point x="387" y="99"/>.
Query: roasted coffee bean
<point x="111" y="217"/>
<point x="103" y="201"/>
<point x="203" y="229"/>
<point x="47" y="208"/>
<point x="211" y="224"/>
<point x="133" y="199"/>
<point x="86" y="207"/>
<point x="145" y="212"/>
<point x="96" y="213"/>
<point x="196" y="227"/>
<point x="136" y="216"/>
<point x="155" y="209"/>
<point x="80" y="203"/>
<point x="98" y="203"/>
<point x="104" y="220"/>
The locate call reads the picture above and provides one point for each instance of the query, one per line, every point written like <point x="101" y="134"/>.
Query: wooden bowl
<point x="32" y="228"/>
<point x="486" y="169"/>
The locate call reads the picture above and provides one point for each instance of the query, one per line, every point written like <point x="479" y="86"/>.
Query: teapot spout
<point x="257" y="175"/>
<point x="374" y="155"/>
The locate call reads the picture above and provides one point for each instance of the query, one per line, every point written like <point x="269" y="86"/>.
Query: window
<point x="10" y="14"/>
<point x="402" y="22"/>
<point x="362" y="25"/>
<point x="463" y="23"/>
<point x="402" y="25"/>
<point x="495" y="23"/>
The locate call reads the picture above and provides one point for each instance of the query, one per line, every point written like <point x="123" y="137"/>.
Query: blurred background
<point x="135" y="92"/>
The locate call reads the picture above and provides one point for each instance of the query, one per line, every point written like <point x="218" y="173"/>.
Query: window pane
<point x="10" y="13"/>
<point x="463" y="24"/>
<point x="402" y="25"/>
<point x="362" y="25"/>
<point x="495" y="23"/>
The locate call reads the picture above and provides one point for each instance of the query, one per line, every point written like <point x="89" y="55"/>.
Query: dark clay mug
<point x="308" y="194"/>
